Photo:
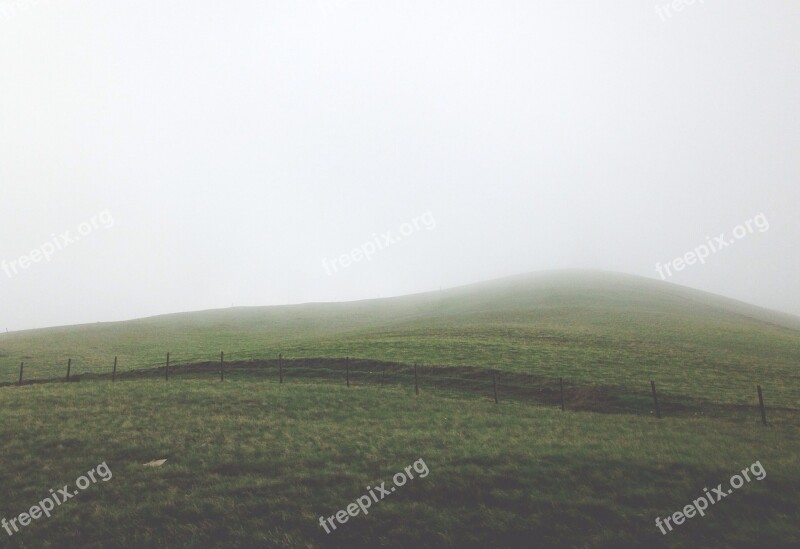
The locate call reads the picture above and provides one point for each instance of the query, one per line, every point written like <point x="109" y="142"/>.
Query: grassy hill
<point x="252" y="462"/>
<point x="588" y="327"/>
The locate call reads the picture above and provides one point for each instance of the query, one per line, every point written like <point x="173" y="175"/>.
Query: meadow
<point x="253" y="462"/>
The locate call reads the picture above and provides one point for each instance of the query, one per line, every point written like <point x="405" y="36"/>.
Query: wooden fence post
<point x="416" y="382"/>
<point x="280" y="366"/>
<point x="761" y="405"/>
<point x="21" y="366"/>
<point x="561" y="383"/>
<point x="347" y="367"/>
<point x="114" y="371"/>
<point x="166" y="371"/>
<point x="655" y="399"/>
<point x="494" y="385"/>
<point x="69" y="367"/>
<point x="222" y="365"/>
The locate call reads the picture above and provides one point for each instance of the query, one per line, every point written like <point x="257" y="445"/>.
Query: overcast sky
<point x="168" y="156"/>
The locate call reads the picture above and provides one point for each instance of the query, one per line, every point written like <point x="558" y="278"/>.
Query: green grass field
<point x="254" y="463"/>
<point x="251" y="462"/>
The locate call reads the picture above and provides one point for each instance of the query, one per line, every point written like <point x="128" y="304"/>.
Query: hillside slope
<point x="588" y="326"/>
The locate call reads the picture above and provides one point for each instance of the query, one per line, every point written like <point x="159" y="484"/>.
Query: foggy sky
<point x="235" y="149"/>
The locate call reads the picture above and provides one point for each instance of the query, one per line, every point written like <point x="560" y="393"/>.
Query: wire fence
<point x="455" y="381"/>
